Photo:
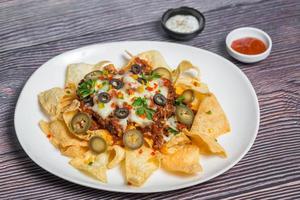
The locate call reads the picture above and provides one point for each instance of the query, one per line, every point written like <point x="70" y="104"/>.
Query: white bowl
<point x="248" y="32"/>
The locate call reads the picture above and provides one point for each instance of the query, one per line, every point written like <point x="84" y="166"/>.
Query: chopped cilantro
<point x="173" y="131"/>
<point x="142" y="108"/>
<point x="179" y="101"/>
<point x="86" y="88"/>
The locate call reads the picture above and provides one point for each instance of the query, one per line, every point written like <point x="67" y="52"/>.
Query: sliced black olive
<point x="116" y="83"/>
<point x="88" y="101"/>
<point x="184" y="115"/>
<point x="142" y="80"/>
<point x="159" y="99"/>
<point x="121" y="113"/>
<point x="97" y="144"/>
<point x="80" y="123"/>
<point x="133" y="139"/>
<point x="104" y="97"/>
<point x="136" y="69"/>
<point x="188" y="96"/>
<point x="93" y="75"/>
<point x="163" y="72"/>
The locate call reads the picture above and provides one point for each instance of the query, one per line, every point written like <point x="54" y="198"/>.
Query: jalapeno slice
<point x="97" y="144"/>
<point x="184" y="115"/>
<point x="133" y="139"/>
<point x="188" y="96"/>
<point x="80" y="123"/>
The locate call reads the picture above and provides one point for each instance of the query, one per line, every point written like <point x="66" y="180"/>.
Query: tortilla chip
<point x="152" y="57"/>
<point x="139" y="165"/>
<point x="45" y="127"/>
<point x="49" y="100"/>
<point x="175" y="143"/>
<point x="74" y="151"/>
<point x="210" y="118"/>
<point x="116" y="155"/>
<point x="69" y="97"/>
<point x="94" y="165"/>
<point x="182" y="68"/>
<point x="77" y="71"/>
<point x="185" y="160"/>
<point x="62" y="135"/>
<point x="207" y="144"/>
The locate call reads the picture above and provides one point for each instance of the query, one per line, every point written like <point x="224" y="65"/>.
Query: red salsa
<point x="249" y="46"/>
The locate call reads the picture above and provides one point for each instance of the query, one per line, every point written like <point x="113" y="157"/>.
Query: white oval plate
<point x="232" y="88"/>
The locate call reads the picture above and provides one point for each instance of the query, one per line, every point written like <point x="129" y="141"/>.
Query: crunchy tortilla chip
<point x="116" y="155"/>
<point x="175" y="143"/>
<point x="45" y="127"/>
<point x="62" y="135"/>
<point x="94" y="165"/>
<point x="183" y="67"/>
<point x="210" y="118"/>
<point x="199" y="96"/>
<point x="77" y="71"/>
<point x="139" y="165"/>
<point x="152" y="57"/>
<point x="185" y="160"/>
<point x="74" y="151"/>
<point x="207" y="144"/>
<point x="50" y="99"/>
<point x="69" y="96"/>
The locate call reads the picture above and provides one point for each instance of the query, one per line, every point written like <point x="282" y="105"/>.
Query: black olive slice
<point x="116" y="83"/>
<point x="133" y="139"/>
<point x="88" y="101"/>
<point x="121" y="113"/>
<point x="188" y="96"/>
<point x="80" y="123"/>
<point x="136" y="69"/>
<point x="184" y="115"/>
<point x="163" y="72"/>
<point x="104" y="97"/>
<point x="159" y="99"/>
<point x="97" y="144"/>
<point x="142" y="80"/>
<point x="93" y="75"/>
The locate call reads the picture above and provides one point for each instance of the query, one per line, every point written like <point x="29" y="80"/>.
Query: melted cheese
<point x="137" y="90"/>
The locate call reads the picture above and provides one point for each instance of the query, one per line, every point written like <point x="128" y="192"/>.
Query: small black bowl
<point x="183" y="11"/>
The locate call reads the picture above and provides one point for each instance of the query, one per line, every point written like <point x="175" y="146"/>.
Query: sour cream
<point x="182" y="23"/>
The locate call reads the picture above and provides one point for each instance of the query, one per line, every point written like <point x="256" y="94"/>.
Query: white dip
<point x="183" y="23"/>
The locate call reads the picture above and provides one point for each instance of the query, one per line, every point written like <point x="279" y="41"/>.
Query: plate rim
<point x="141" y="189"/>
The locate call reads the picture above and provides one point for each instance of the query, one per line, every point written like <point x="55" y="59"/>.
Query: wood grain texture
<point x="34" y="31"/>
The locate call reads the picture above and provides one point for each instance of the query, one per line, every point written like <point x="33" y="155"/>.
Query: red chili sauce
<point x="249" y="46"/>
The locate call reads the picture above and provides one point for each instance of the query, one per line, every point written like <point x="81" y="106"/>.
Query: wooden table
<point x="31" y="32"/>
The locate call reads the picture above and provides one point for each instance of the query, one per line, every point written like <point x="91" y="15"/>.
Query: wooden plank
<point x="27" y="23"/>
<point x="269" y="170"/>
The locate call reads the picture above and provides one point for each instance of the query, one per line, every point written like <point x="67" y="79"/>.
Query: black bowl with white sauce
<point x="183" y="23"/>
